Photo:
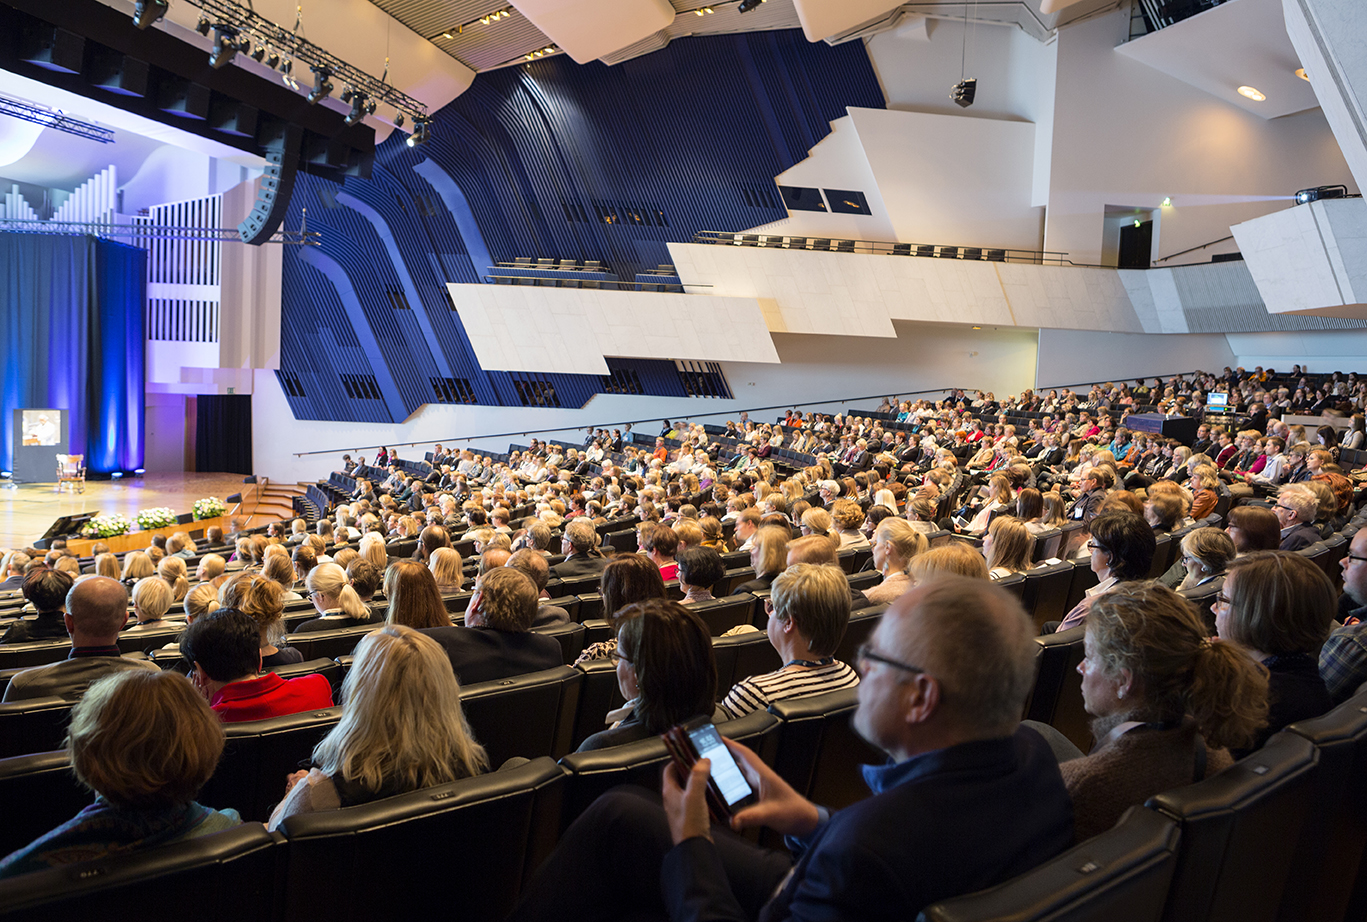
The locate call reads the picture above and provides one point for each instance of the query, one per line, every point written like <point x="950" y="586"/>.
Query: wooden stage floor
<point x="27" y="512"/>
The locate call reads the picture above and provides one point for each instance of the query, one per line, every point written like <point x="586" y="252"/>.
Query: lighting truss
<point x="53" y="118"/>
<point x="302" y="237"/>
<point x="254" y="29"/>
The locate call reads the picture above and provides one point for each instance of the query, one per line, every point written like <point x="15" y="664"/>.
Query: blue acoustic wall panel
<point x="544" y="160"/>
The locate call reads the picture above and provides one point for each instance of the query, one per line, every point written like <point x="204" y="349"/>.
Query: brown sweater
<point x="1130" y="770"/>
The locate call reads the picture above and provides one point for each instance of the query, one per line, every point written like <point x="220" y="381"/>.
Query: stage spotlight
<point x="746" y="6"/>
<point x="117" y="475"/>
<point x="398" y="120"/>
<point x="259" y="53"/>
<point x="420" y="134"/>
<point x="370" y="107"/>
<point x="204" y="25"/>
<point x="225" y="48"/>
<point x="146" y="12"/>
<point x="357" y="112"/>
<point x="139" y="471"/>
<point x="273" y="60"/>
<point x="346" y="94"/>
<point x="964" y="92"/>
<point x="322" y="86"/>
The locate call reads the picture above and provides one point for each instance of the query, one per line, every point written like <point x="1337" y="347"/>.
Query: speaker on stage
<point x="273" y="196"/>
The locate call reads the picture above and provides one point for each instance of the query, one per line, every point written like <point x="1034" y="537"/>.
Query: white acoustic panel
<point x="823" y="19"/>
<point x="589" y="29"/>
<point x="571" y="330"/>
<point x="1309" y="257"/>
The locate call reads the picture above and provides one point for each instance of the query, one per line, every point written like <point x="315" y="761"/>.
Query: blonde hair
<point x="260" y="598"/>
<point x="172" y="570"/>
<point x="816" y="598"/>
<point x="144" y="739"/>
<point x="402" y="727"/>
<point x="905" y="540"/>
<point x="107" y="564"/>
<point x="373" y="550"/>
<point x="136" y="565"/>
<point x="330" y="580"/>
<point x="445" y="564"/>
<point x="771" y="541"/>
<point x="955" y="557"/>
<point x="152" y="597"/>
<point x="818" y="521"/>
<point x="201" y="600"/>
<point x="1012" y="544"/>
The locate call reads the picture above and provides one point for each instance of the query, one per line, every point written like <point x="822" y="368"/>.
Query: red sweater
<point x="269" y="695"/>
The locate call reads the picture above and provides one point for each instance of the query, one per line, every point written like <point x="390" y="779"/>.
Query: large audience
<point x="940" y="500"/>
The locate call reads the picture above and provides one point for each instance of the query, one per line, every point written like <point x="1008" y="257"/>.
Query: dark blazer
<point x="1086" y="507"/>
<point x="480" y="654"/>
<point x="1299" y="536"/>
<point x="758" y="584"/>
<point x="1000" y="808"/>
<point x="577" y="566"/>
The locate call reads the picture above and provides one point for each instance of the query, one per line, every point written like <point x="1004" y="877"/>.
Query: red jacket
<point x="269" y="695"/>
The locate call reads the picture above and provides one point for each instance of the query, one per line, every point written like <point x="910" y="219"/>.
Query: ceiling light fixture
<point x="225" y="47"/>
<point x="1300" y="72"/>
<point x="746" y="6"/>
<point x="1167" y="201"/>
<point x="146" y="12"/>
<point x="204" y="25"/>
<point x="358" y="107"/>
<point x="420" y="133"/>
<point x="1251" y="93"/>
<point x="322" y="86"/>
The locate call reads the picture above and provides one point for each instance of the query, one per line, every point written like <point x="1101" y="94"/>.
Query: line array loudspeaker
<point x="273" y="195"/>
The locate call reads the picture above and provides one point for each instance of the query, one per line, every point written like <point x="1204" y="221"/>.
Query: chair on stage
<point x="71" y="470"/>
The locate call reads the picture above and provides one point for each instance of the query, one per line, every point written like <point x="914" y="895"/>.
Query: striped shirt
<point x="757" y="692"/>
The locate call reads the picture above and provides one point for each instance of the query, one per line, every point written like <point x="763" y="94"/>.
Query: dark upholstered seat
<point x="259" y="755"/>
<point x="528" y="715"/>
<point x="38" y="792"/>
<point x="33" y="725"/>
<point x="819" y="753"/>
<point x="1057" y="696"/>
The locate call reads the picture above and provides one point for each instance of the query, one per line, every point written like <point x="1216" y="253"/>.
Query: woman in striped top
<point x="808" y="612"/>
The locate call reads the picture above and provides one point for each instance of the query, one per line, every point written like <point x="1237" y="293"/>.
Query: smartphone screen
<point x="725" y="772"/>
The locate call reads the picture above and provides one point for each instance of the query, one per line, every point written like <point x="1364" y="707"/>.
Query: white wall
<point x="170" y="174"/>
<point x="838" y="161"/>
<point x="1068" y="357"/>
<point x="923" y="356"/>
<point x="1126" y="134"/>
<point x="1315" y="350"/>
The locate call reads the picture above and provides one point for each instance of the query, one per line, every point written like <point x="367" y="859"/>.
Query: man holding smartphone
<point x="968" y="799"/>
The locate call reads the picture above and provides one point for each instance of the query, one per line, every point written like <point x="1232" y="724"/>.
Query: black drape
<point x="223" y="433"/>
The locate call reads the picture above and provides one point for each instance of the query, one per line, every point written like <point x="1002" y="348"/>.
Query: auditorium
<point x="968" y="396"/>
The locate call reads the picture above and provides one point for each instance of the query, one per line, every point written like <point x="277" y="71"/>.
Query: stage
<point x="27" y="512"/>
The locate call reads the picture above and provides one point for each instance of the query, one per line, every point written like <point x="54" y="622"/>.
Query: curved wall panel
<point x="553" y="160"/>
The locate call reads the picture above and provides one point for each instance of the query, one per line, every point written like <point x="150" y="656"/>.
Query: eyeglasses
<point x="868" y="654"/>
<point x="1093" y="546"/>
<point x="1353" y="557"/>
<point x="1223" y="599"/>
<point x="617" y="657"/>
<point x="1280" y="506"/>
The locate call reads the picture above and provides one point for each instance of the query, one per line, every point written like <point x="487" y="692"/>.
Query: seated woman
<point x="895" y="544"/>
<point x="46" y="591"/>
<point x="260" y="598"/>
<point x="626" y="579"/>
<point x="402" y="729"/>
<point x="107" y="564"/>
<point x="1253" y="528"/>
<point x="414" y="598"/>
<point x="224" y="655"/>
<point x="1030" y="510"/>
<point x="172" y="570"/>
<point x="1008" y="547"/>
<point x="665" y="669"/>
<point x="817" y="522"/>
<point x="1166" y="703"/>
<point x="336" y="600"/>
<point x="445" y="564"/>
<point x="1121" y="545"/>
<point x="847" y="517"/>
<point x="1206" y="552"/>
<point x="700" y="568"/>
<point x="151" y="601"/>
<point x="136" y="565"/>
<point x="921" y="515"/>
<point x="145" y="743"/>
<point x="1205" y="480"/>
<point x="957" y="557"/>
<point x="1278" y="607"/>
<point x="999" y="497"/>
<point x="768" y="557"/>
<point x="808" y="613"/>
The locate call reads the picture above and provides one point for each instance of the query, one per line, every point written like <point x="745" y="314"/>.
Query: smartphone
<point x="727" y="788"/>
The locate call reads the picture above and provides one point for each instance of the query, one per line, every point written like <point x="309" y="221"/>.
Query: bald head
<point x="973" y="646"/>
<point x="493" y="558"/>
<point x="97" y="609"/>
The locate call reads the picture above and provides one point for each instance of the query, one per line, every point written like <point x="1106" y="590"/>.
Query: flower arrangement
<point x="158" y="517"/>
<point x="105" y="526"/>
<point x="209" y="507"/>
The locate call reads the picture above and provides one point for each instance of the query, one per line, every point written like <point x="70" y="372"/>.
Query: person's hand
<point x="294" y="778"/>
<point x="686" y="806"/>
<point x="780" y="807"/>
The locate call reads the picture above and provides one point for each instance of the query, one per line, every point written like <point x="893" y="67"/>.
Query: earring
<point x="1120" y="693"/>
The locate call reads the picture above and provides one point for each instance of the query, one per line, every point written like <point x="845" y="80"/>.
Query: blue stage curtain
<point x="72" y="332"/>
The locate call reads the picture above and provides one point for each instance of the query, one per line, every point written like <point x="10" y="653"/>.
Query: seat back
<point x="720" y="615"/>
<point x="570" y="636"/>
<point x="528" y="715"/>
<point x="37" y="653"/>
<point x="33" y="725"/>
<point x="1121" y="875"/>
<point x="40" y="793"/>
<point x="857" y="631"/>
<point x="1083" y="579"/>
<point x="592" y="773"/>
<point x="259" y="755"/>
<point x="819" y="753"/>
<point x="1203" y="597"/>
<point x="1048" y="544"/>
<point x="473" y="841"/>
<point x="1331" y="857"/>
<point x="1046" y="591"/>
<point x="1057" y="696"/>
<point x="1162" y="556"/>
<point x="1239" y="830"/>
<point x="329" y="644"/>
<point x="741" y="656"/>
<point x="599" y="694"/>
<point x="228" y="876"/>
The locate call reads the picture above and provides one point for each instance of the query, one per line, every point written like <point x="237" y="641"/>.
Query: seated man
<point x="1296" y="509"/>
<point x="14" y="577"/>
<point x="496" y="641"/>
<point x="46" y="590"/>
<point x="96" y="610"/>
<point x="534" y="566"/>
<point x="224" y="650"/>
<point x="969" y="799"/>
<point x="808" y="613"/>
<point x="579" y="543"/>
<point x="1343" y="658"/>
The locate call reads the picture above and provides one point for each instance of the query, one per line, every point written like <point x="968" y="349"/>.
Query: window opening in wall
<point x="290" y="382"/>
<point x="622" y="381"/>
<point x="453" y="390"/>
<point x="534" y="391"/>
<point x="398" y="301"/>
<point x="361" y="387"/>
<point x="703" y="379"/>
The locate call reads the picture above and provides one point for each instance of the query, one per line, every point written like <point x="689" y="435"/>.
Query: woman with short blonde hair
<point x="107" y="564"/>
<point x="445" y="564"/>
<point x="136" y="565"/>
<point x="373" y="550"/>
<point x="402" y="728"/>
<point x="152" y="598"/>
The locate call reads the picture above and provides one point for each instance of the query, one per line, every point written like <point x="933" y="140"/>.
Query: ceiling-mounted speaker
<point x="273" y="193"/>
<point x="179" y="96"/>
<point x="118" y="73"/>
<point x="52" y="48"/>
